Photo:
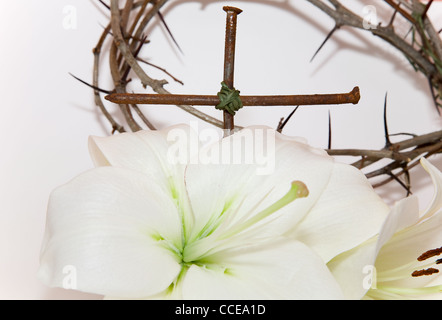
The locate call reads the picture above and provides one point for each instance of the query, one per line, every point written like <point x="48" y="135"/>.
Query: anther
<point x="429" y="254"/>
<point x="425" y="272"/>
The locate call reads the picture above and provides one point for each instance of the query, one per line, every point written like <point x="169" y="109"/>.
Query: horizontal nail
<point x="207" y="100"/>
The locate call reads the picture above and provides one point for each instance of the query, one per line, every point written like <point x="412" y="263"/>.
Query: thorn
<point x="162" y="69"/>
<point x="407" y="180"/>
<point x="408" y="32"/>
<point x="104" y="4"/>
<point x="329" y="131"/>
<point x="388" y="143"/>
<point x="160" y="15"/>
<point x="336" y="27"/>
<point x="280" y="124"/>
<point x="137" y="51"/>
<point x="400" y="182"/>
<point x="413" y="135"/>
<point x="392" y="18"/>
<point x="89" y="85"/>
<point x="433" y="95"/>
<point x="424" y="14"/>
<point x="283" y="123"/>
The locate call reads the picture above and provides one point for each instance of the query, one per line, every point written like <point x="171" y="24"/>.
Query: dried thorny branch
<point x="127" y="27"/>
<point x="402" y="156"/>
<point x="422" y="46"/>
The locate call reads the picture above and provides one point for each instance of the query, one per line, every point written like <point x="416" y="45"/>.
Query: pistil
<point x="198" y="249"/>
<point x="297" y="190"/>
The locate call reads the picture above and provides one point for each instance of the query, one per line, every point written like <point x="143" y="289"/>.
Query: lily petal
<point x="161" y="154"/>
<point x="238" y="190"/>
<point x="414" y="235"/>
<point x="436" y="177"/>
<point x="281" y="269"/>
<point x="408" y="244"/>
<point x="403" y="237"/>
<point x="355" y="268"/>
<point x="111" y="225"/>
<point x="348" y="200"/>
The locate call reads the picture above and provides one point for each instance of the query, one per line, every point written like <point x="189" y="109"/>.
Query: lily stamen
<point x="425" y="256"/>
<point x="298" y="190"/>
<point x="426" y="269"/>
<point x="430" y="254"/>
<point x="200" y="248"/>
<point x="424" y="272"/>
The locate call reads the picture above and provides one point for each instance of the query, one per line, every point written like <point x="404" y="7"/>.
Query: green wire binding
<point x="229" y="99"/>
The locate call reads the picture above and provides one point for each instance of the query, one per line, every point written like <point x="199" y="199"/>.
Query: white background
<point x="47" y="115"/>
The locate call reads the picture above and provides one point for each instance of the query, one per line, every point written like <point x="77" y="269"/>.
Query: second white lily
<point x="403" y="260"/>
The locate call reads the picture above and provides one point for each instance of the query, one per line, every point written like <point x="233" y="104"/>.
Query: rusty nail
<point x="207" y="100"/>
<point x="229" y="58"/>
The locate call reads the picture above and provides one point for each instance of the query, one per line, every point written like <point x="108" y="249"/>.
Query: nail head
<point x="232" y="9"/>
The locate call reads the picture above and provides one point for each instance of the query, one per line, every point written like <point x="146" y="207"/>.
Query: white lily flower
<point x="405" y="255"/>
<point x="143" y="226"/>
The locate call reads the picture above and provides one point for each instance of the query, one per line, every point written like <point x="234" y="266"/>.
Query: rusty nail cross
<point x="229" y="62"/>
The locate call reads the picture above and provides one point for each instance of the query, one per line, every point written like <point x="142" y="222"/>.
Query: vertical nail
<point x="229" y="59"/>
